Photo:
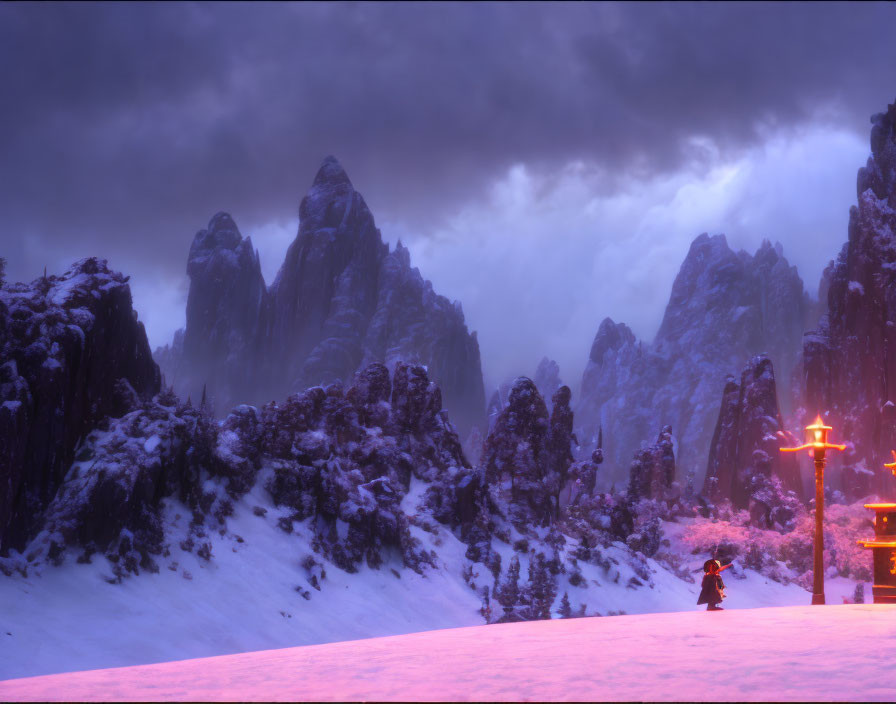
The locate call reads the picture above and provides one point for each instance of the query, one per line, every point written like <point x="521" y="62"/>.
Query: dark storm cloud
<point x="125" y="126"/>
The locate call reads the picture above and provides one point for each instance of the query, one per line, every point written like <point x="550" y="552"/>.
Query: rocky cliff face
<point x="724" y="307"/>
<point x="227" y="311"/>
<point x="340" y="302"/>
<point x="652" y="472"/>
<point x="850" y="359"/>
<point x="72" y="353"/>
<point x="326" y="291"/>
<point x="748" y="435"/>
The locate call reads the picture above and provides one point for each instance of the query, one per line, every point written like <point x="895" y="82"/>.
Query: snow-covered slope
<point x="245" y="598"/>
<point x="71" y="618"/>
<point x="352" y="514"/>
<point x="784" y="654"/>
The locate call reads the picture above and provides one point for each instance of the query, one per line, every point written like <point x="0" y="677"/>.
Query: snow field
<point x="830" y="653"/>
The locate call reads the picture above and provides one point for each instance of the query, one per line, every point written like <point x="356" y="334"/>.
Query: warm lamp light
<point x="818" y="441"/>
<point x="892" y="465"/>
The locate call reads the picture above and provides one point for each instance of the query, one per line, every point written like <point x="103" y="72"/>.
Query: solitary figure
<point x="712" y="590"/>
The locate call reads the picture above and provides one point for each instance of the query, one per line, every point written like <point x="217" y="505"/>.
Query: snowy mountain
<point x="347" y="513"/>
<point x="340" y="302"/>
<point x="850" y="359"/>
<point x="725" y="307"/>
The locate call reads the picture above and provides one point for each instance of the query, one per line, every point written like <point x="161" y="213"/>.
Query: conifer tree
<point x="565" y="608"/>
<point x="555" y="541"/>
<point x="540" y="591"/>
<point x="508" y="592"/>
<point x="559" y="448"/>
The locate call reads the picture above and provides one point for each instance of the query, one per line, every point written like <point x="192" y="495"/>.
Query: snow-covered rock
<point x="745" y="448"/>
<point x="72" y="353"/>
<point x="652" y="471"/>
<point x="517" y="455"/>
<point x="343" y="460"/>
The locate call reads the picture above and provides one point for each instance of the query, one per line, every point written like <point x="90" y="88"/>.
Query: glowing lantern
<point x="892" y="465"/>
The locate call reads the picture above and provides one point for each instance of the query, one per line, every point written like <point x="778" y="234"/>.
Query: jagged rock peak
<point x="217" y="242"/>
<point x="718" y="288"/>
<point x="222" y="225"/>
<point x="329" y="201"/>
<point x="340" y="301"/>
<point x="769" y="252"/>
<point x="331" y="173"/>
<point x="610" y="335"/>
<point x="402" y="254"/>
<point x="706" y="247"/>
<point x="222" y="232"/>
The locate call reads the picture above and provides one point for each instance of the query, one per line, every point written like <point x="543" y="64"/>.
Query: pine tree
<point x="555" y="541"/>
<point x="486" y="608"/>
<point x="479" y="537"/>
<point x="541" y="590"/>
<point x="565" y="608"/>
<point x="494" y="564"/>
<point x="559" y="448"/>
<point x="2" y="269"/>
<point x="508" y="593"/>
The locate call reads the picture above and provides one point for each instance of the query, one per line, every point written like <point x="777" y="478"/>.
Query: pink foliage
<point x="764" y="550"/>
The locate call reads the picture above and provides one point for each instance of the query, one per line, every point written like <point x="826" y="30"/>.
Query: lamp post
<point x="818" y="444"/>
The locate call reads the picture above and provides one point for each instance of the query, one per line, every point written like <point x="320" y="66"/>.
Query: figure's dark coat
<point x="711" y="589"/>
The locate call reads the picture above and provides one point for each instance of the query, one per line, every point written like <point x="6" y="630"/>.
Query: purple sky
<point x="547" y="165"/>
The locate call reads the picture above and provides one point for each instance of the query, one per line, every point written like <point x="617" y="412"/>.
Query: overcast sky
<point x="547" y="164"/>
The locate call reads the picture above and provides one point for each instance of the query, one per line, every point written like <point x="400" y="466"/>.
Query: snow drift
<point x="785" y="654"/>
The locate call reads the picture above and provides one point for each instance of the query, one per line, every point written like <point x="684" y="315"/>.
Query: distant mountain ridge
<point x="724" y="308"/>
<point x="340" y="302"/>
